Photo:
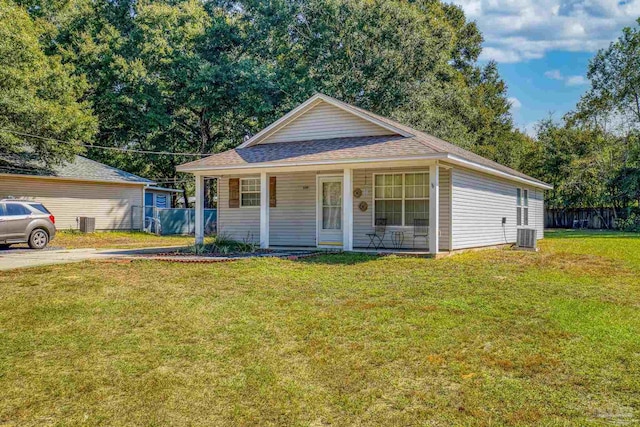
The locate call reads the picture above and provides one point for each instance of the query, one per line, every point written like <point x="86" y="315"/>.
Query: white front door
<point x="329" y="211"/>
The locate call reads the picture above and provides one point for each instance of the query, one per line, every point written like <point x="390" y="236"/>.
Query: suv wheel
<point x="38" y="239"/>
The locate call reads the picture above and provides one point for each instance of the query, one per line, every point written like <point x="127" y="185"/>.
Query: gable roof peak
<point x="311" y="103"/>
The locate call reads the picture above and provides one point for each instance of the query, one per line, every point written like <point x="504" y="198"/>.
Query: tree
<point x="198" y="77"/>
<point x="38" y="94"/>
<point x="615" y="75"/>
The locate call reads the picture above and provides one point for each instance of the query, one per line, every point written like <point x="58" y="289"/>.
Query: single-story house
<point x="329" y="174"/>
<point x="79" y="188"/>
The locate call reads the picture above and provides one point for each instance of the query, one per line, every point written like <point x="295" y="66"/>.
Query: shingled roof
<point x="81" y="168"/>
<point x="413" y="143"/>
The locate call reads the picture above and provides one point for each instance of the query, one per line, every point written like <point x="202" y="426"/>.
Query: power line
<point x="103" y="147"/>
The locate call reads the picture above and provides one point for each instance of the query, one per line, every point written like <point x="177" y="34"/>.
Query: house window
<point x="161" y="201"/>
<point x="522" y="207"/>
<point x="401" y="197"/>
<point x="148" y="199"/>
<point x="249" y="192"/>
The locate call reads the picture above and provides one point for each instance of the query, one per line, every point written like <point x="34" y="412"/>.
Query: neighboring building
<point x="326" y="172"/>
<point x="74" y="189"/>
<point x="159" y="197"/>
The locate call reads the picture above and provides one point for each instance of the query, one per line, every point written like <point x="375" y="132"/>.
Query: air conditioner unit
<point x="87" y="224"/>
<point x="527" y="239"/>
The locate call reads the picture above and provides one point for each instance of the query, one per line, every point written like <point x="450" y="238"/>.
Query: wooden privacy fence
<point x="579" y="218"/>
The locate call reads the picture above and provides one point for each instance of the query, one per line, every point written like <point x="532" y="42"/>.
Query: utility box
<point x="87" y="224"/>
<point x="526" y="239"/>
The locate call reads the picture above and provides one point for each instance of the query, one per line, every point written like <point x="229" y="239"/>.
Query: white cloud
<point x="576" y="81"/>
<point x="568" y="80"/>
<point x="515" y="103"/>
<point x="553" y="74"/>
<point x="520" y="30"/>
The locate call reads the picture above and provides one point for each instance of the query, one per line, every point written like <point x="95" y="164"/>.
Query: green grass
<point x="117" y="239"/>
<point x="482" y="338"/>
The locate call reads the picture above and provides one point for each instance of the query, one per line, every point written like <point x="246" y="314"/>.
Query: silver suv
<point x="23" y="221"/>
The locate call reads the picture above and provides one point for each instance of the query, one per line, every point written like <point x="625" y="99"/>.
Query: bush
<point x="224" y="245"/>
<point x="631" y="223"/>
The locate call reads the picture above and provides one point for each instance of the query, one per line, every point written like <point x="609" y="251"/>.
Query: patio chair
<point x="420" y="230"/>
<point x="377" y="237"/>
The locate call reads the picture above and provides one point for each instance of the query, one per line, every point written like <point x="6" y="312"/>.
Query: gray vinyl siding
<point x="242" y="224"/>
<point x="293" y="221"/>
<point x="445" y="209"/>
<point x="363" y="221"/>
<point x="326" y="121"/>
<point x="110" y="204"/>
<point x="480" y="201"/>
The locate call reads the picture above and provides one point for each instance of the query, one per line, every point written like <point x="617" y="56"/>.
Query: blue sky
<point x="543" y="47"/>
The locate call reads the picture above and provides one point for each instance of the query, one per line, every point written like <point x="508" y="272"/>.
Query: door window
<point x="331" y="205"/>
<point x="15" y="209"/>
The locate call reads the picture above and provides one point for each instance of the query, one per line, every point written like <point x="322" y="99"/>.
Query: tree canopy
<point x="39" y="94"/>
<point x="592" y="157"/>
<point x="198" y="77"/>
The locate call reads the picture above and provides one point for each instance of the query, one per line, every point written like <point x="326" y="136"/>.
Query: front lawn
<point x="116" y="239"/>
<point x="483" y="338"/>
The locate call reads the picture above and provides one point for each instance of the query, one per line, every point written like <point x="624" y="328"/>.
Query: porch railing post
<point x="264" y="210"/>
<point x="199" y="228"/>
<point x="347" y="201"/>
<point x="434" y="208"/>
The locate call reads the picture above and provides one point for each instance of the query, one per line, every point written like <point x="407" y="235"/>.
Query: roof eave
<point x="452" y="158"/>
<point x="436" y="156"/>
<point x="64" y="178"/>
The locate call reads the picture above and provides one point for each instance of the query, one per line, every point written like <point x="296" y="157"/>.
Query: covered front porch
<point x="386" y="206"/>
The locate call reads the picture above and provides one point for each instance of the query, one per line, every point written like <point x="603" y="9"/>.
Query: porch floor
<point x="400" y="252"/>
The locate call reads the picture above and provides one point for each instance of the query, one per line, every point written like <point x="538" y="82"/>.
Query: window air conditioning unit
<point x="87" y="224"/>
<point x="526" y="239"/>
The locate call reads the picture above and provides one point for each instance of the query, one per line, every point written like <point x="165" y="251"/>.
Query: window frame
<point x="522" y="206"/>
<point x="240" y="192"/>
<point x="403" y="199"/>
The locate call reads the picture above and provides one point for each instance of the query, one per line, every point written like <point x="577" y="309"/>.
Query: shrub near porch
<point x="483" y="338"/>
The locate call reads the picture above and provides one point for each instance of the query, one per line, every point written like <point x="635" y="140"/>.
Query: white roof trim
<point x="165" y="189"/>
<point x="496" y="172"/>
<point x="64" y="178"/>
<point x="306" y="106"/>
<point x="313" y="163"/>
<point x="441" y="156"/>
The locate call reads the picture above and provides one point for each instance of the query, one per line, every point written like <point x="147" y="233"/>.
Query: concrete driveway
<point x="24" y="258"/>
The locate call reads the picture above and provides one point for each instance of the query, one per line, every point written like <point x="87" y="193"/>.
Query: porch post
<point x="264" y="210"/>
<point x="434" y="208"/>
<point x="347" y="206"/>
<point x="199" y="209"/>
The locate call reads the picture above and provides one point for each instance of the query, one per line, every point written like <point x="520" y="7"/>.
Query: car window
<point x="40" y="207"/>
<point x="15" y="209"/>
